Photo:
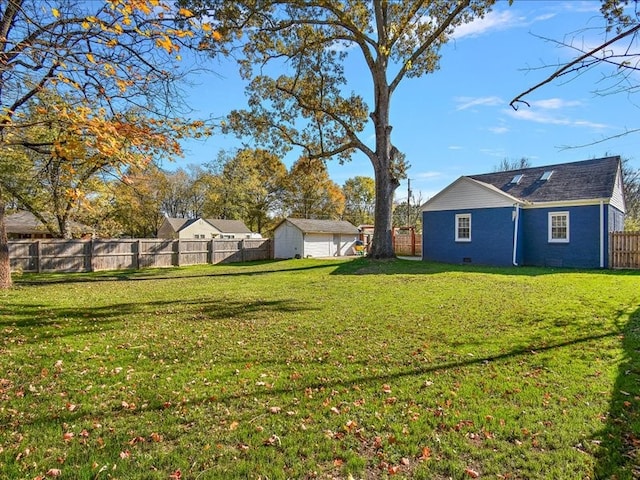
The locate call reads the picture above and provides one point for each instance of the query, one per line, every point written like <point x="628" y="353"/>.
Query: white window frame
<point x="462" y="216"/>
<point x="553" y="215"/>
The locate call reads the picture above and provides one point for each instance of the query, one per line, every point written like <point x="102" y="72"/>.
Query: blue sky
<point x="457" y="121"/>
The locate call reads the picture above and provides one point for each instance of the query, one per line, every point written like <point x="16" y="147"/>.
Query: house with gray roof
<point x="204" y="228"/>
<point x="555" y="215"/>
<point x="303" y="237"/>
<point x="23" y="225"/>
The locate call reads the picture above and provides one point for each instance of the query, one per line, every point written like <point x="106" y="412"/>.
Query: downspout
<point x="515" y="234"/>
<point x="601" y="233"/>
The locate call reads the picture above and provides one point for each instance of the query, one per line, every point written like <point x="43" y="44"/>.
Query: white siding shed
<point x="301" y="238"/>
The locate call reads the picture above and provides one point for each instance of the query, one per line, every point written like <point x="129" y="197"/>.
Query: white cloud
<point x="468" y="102"/>
<point x="555" y="103"/>
<point x="491" y="22"/>
<point x="498" y="130"/>
<point x="455" y="147"/>
<point x="552" y="118"/>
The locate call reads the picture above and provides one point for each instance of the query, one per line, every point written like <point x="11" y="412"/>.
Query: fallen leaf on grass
<point x="272" y="440"/>
<point x="54" y="472"/>
<point x="426" y="454"/>
<point x="471" y="473"/>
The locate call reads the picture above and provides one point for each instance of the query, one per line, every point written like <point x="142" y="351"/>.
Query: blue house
<point x="556" y="215"/>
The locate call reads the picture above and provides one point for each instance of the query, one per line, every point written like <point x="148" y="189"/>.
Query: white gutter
<point x="601" y="234"/>
<point x="515" y="235"/>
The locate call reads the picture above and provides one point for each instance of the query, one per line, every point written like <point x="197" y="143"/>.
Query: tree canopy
<point x="294" y="52"/>
<point x="119" y="59"/>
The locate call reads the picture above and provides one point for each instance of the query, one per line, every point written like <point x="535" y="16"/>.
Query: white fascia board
<point x="568" y="203"/>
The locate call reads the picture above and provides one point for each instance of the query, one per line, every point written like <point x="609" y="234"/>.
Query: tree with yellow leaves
<point x="120" y="61"/>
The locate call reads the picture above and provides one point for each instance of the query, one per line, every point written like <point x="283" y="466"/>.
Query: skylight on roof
<point x="517" y="178"/>
<point x="546" y="175"/>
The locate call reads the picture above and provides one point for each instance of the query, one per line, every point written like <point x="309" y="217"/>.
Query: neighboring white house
<point x="301" y="238"/>
<point x="204" y="228"/>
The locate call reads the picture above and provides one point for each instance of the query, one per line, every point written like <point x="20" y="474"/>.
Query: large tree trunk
<point x="5" y="264"/>
<point x="384" y="163"/>
<point x="382" y="243"/>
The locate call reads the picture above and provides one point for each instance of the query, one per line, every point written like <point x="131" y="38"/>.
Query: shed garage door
<point x="319" y="245"/>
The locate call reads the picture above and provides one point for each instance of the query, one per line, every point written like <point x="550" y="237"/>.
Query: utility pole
<point x="408" y="202"/>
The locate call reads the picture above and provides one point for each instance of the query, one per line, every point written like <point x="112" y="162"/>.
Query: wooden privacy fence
<point x="53" y="255"/>
<point x="624" y="250"/>
<point x="407" y="242"/>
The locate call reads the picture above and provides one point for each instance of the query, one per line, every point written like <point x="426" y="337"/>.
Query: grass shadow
<point x="37" y="322"/>
<point x="620" y="438"/>
<point x="368" y="266"/>
<point x="262" y="267"/>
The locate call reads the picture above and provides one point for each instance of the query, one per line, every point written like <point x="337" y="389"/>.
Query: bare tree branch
<point x="566" y="68"/>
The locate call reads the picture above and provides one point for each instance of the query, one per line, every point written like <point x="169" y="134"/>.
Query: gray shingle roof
<point x="24" y="222"/>
<point x="179" y="223"/>
<point x="324" y="226"/>
<point x="228" y="226"/>
<point x="587" y="179"/>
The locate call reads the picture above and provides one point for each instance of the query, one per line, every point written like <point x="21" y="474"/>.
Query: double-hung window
<point x="463" y="227"/>
<point x="558" y="227"/>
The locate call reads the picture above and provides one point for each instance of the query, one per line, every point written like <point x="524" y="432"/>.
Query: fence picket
<point x="624" y="250"/>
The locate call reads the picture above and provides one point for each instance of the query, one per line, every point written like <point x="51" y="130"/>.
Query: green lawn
<point x="321" y="369"/>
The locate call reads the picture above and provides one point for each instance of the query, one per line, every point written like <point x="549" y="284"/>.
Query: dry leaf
<point x="426" y="453"/>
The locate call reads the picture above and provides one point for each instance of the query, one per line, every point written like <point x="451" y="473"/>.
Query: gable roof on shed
<point x="307" y="225"/>
<point x="583" y="180"/>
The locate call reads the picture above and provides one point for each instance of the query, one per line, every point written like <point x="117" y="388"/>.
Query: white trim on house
<point x="551" y="226"/>
<point x="568" y="203"/>
<point x="463" y="229"/>
<point x="617" y="196"/>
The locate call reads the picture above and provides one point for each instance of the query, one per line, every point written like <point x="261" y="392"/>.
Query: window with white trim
<point x="558" y="227"/>
<point x="463" y="227"/>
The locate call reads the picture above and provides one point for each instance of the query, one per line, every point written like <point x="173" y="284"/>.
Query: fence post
<point x="178" y="255"/>
<point x="413" y="242"/>
<point x="39" y="256"/>
<point x="242" y="249"/>
<point x="90" y="263"/>
<point x="138" y="249"/>
<point x="210" y="251"/>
